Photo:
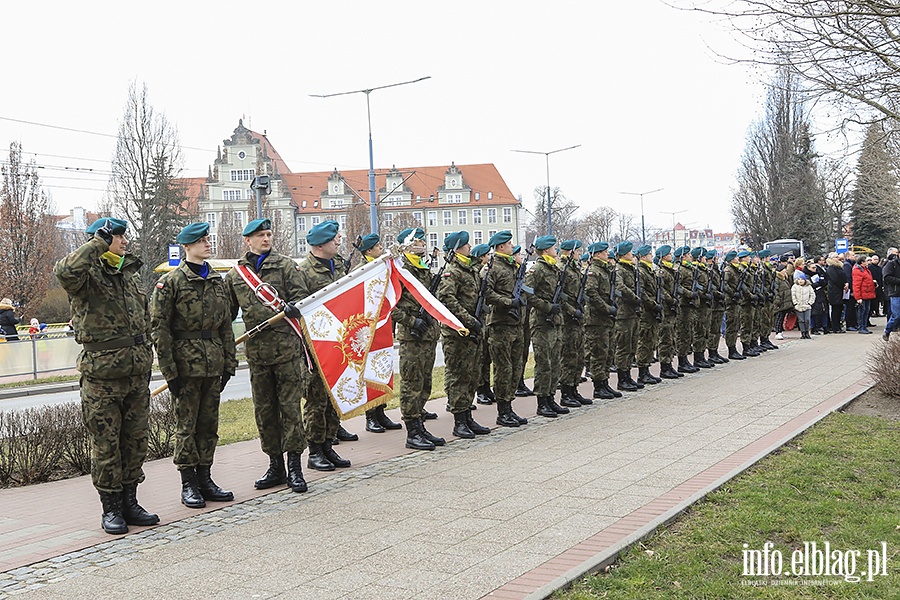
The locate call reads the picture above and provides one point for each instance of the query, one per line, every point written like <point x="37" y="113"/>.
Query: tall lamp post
<point x="677" y="212"/>
<point x="547" y="157"/>
<point x="642" y="194"/>
<point x="373" y="200"/>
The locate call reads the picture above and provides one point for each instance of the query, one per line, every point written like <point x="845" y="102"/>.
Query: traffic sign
<point x="841" y="245"/>
<point x="174" y="254"/>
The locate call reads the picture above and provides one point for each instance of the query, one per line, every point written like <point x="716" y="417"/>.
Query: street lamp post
<point x="642" y="194"/>
<point x="373" y="200"/>
<point x="547" y="157"/>
<point x="677" y="212"/>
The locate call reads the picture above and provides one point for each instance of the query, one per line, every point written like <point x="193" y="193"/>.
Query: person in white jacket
<point x="803" y="297"/>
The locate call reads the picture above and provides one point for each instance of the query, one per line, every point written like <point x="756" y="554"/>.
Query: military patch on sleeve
<point x="160" y="284"/>
<point x="447" y="274"/>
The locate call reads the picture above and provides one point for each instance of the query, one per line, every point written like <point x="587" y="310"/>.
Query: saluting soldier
<point x="717" y="310"/>
<point x="666" y="280"/>
<point x="505" y="325"/>
<point x="600" y="319"/>
<point x="572" y="330"/>
<point x="626" y="316"/>
<point x="190" y="315"/>
<point x="275" y="355"/>
<point x="650" y="318"/>
<point x="703" y="305"/>
<point x="684" y="321"/>
<point x="111" y="320"/>
<point x="458" y="291"/>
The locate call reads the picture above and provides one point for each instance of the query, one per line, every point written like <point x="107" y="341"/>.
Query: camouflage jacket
<point x="703" y="283"/>
<point x="734" y="275"/>
<point x="625" y="285"/>
<point x="544" y="278"/>
<point x="666" y="273"/>
<point x="277" y="343"/>
<point x="571" y="287"/>
<point x="501" y="279"/>
<point x="107" y="304"/>
<point x="718" y="298"/>
<point x="648" y="290"/>
<point x="183" y="302"/>
<point x="458" y="290"/>
<point x="596" y="293"/>
<point x="408" y="308"/>
<point x="686" y="284"/>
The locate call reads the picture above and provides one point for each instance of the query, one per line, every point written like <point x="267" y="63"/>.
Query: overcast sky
<point x="634" y="83"/>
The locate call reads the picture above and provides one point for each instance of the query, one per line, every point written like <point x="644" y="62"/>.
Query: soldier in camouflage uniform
<point x="572" y="330"/>
<point x="733" y="274"/>
<point x="650" y="319"/>
<point x="483" y="393"/>
<point x="717" y="310"/>
<point x="522" y="390"/>
<point x="746" y="303"/>
<point x="666" y="280"/>
<point x="703" y="303"/>
<point x="458" y="291"/>
<point x="600" y="319"/>
<point x="418" y="334"/>
<point x="687" y="310"/>
<point x="109" y="312"/>
<point x="275" y="355"/>
<point x="190" y="315"/>
<point x="505" y="325"/>
<point x="750" y="310"/>
<point x="767" y="302"/>
<point x="627" y="316"/>
<point x="546" y="321"/>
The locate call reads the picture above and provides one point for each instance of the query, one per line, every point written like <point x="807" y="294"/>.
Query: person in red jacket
<point x="863" y="291"/>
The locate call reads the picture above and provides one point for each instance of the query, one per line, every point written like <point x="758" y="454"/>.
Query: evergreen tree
<point x="875" y="212"/>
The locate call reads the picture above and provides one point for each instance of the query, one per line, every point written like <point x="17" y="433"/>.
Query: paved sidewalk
<point x="514" y="514"/>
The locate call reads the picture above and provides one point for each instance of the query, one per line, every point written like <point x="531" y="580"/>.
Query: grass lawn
<point x="839" y="482"/>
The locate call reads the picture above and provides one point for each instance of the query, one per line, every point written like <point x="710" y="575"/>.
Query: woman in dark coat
<point x="837" y="283"/>
<point x="815" y="274"/>
<point x="8" y="320"/>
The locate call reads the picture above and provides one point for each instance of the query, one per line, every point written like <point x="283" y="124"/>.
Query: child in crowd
<point x="803" y="297"/>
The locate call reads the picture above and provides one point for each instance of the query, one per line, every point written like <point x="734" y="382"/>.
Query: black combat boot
<point x="482" y="395"/>
<point x="414" y="438"/>
<point x="461" y="427"/>
<point x="437" y="441"/>
<point x="715" y="357"/>
<point x="543" y="408"/>
<point x="733" y="354"/>
<point x="522" y="391"/>
<point x="190" y="489"/>
<point x="208" y="488"/>
<point x="504" y="415"/>
<point x="632" y="381"/>
<point x="295" y="479"/>
<point x="333" y="457"/>
<point x="132" y="512"/>
<point x="667" y="372"/>
<point x="685" y="366"/>
<point x="567" y="399"/>
<point x="616" y="393"/>
<point x="372" y="424"/>
<point x="558" y="409"/>
<point x="700" y="361"/>
<point x="600" y="390"/>
<point x="384" y="420"/>
<point x="748" y="350"/>
<point x="317" y="459"/>
<point x="625" y="382"/>
<point x="112" y="520"/>
<point x="770" y="344"/>
<point x="479" y="429"/>
<point x="345" y="436"/>
<point x="512" y="413"/>
<point x="430" y="416"/>
<point x="645" y="377"/>
<point x="754" y="343"/>
<point x="275" y="475"/>
<point x="581" y="399"/>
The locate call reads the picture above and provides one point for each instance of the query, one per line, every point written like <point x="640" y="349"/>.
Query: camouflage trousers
<point x="667" y="338"/>
<point x="598" y="340"/>
<point x="748" y="323"/>
<point x="647" y="340"/>
<point x="197" y="421"/>
<point x="526" y="343"/>
<point x="547" y="341"/>
<point x="416" y="367"/>
<point x="732" y="325"/>
<point x="626" y="342"/>
<point x="460" y="379"/>
<point x="715" y="329"/>
<point x="320" y="419"/>
<point x="700" y="329"/>
<point x="684" y="330"/>
<point x="765" y="318"/>
<point x="572" y="358"/>
<point x="484" y="371"/>
<point x="115" y="413"/>
<point x="277" y="390"/>
<point x="505" y="343"/>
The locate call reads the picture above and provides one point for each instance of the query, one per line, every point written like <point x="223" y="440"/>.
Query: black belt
<point x="124" y="342"/>
<point x="206" y="334"/>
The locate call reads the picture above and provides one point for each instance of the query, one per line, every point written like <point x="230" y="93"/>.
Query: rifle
<point x="709" y="281"/>
<point x="560" y="283"/>
<point x="694" y="294"/>
<point x="579" y="299"/>
<point x="637" y="287"/>
<point x="773" y="287"/>
<point x="520" y="286"/>
<point x="739" y="290"/>
<point x="721" y="293"/>
<point x="612" y="288"/>
<point x="479" y="304"/>
<point x="677" y="266"/>
<point x="755" y="291"/>
<point x="435" y="282"/>
<point x="659" y="306"/>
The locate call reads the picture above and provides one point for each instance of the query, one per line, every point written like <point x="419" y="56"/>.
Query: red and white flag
<point x="348" y="326"/>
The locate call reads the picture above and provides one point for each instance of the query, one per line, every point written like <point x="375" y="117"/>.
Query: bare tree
<point x="597" y="226"/>
<point x="562" y="210"/>
<point x="837" y="185"/>
<point x="229" y="243"/>
<point x="389" y="230"/>
<point x="29" y="240"/>
<point x="625" y="229"/>
<point x="143" y="188"/>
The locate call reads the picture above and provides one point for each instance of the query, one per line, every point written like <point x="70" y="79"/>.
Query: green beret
<point x="417" y="233"/>
<point x="501" y="237"/>
<point x="480" y="250"/>
<point x="764" y="253"/>
<point x="598" y="247"/>
<point x="257" y="225"/>
<point x="368" y="242"/>
<point x="697" y="252"/>
<point x="623" y="248"/>
<point x="752" y="253"/>
<point x="711" y="254"/>
<point x="544" y="242"/>
<point x="586" y="256"/>
<point x="730" y="255"/>
<point x="743" y="254"/>
<point x="118" y="226"/>
<point x="193" y="232"/>
<point x="642" y="251"/>
<point x="570" y="245"/>
<point x="455" y="240"/>
<point x="322" y="233"/>
<point x="516" y="250"/>
<point x="663" y="250"/>
<point x="679" y="252"/>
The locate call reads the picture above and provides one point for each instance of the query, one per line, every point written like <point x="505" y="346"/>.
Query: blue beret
<point x="193" y="232"/>
<point x="623" y="248"/>
<point x="480" y="250"/>
<point x="586" y="256"/>
<point x="764" y="253"/>
<point x="322" y="233"/>
<point x="664" y="250"/>
<point x="730" y="255"/>
<point x="711" y="254"/>
<point x="544" y="242"/>
<point x="257" y="225"/>
<point x="752" y="253"/>
<point x="570" y="245"/>
<point x="679" y="252"/>
<point x="417" y="233"/>
<point x="517" y="249"/>
<point x="456" y="239"/>
<point x="598" y="247"/>
<point x="743" y="254"/>
<point x="501" y="237"/>
<point x="643" y="250"/>
<point x="118" y="226"/>
<point x="697" y="252"/>
<point x="368" y="242"/>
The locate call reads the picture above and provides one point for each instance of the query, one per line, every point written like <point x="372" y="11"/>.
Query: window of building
<point x="239" y="219"/>
<point x="432" y="218"/>
<point x="417" y="217"/>
<point x="492" y="215"/>
<point x="507" y="215"/>
<point x="491" y="233"/>
<point x="211" y="219"/>
<point x="448" y="218"/>
<point x="477" y="237"/>
<point x="478" y="195"/>
<point x="432" y="240"/>
<point x="343" y="222"/>
<point x="453" y="198"/>
<point x="301" y="223"/>
<point x="315" y="221"/>
<point x="476" y="216"/>
<point x="231" y="195"/>
<point x="461" y="217"/>
<point x="212" y="243"/>
<point x="301" y="246"/>
<point x="387" y="220"/>
<point x="243" y="174"/>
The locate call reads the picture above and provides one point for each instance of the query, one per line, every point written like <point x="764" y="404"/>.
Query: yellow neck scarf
<point x="415" y="260"/>
<point x="550" y="260"/>
<point x="113" y="260"/>
<point x="465" y="261"/>
<point x="504" y="256"/>
<point x="625" y="261"/>
<point x="667" y="263"/>
<point x="648" y="263"/>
